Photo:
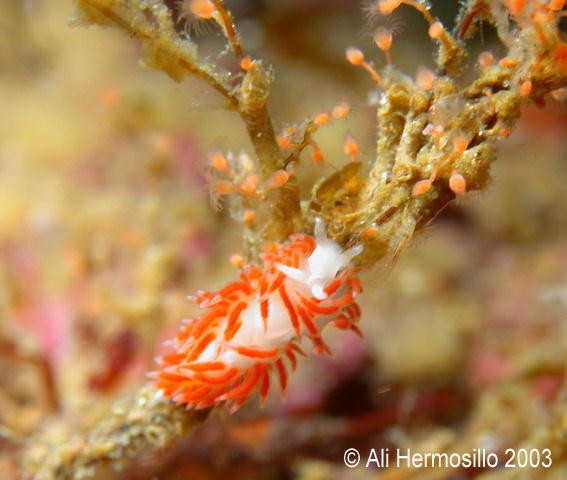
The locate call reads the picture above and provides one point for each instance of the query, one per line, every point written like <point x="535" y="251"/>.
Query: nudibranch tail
<point x="255" y="327"/>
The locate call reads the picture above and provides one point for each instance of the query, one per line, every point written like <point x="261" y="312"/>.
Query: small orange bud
<point x="434" y="130"/>
<point x="250" y="184"/>
<point x="340" y="110"/>
<point x="246" y="63"/>
<point x="237" y="260"/>
<point x="283" y="141"/>
<point x="485" y="59"/>
<point x="457" y="183"/>
<point x="368" y="232"/>
<point x="507" y="62"/>
<point x="225" y="187"/>
<point x="355" y="56"/>
<point x="278" y="179"/>
<point x="526" y="88"/>
<point x="321" y="119"/>
<point x="504" y="132"/>
<point x="249" y="216"/>
<point x="421" y="187"/>
<point x="436" y="30"/>
<point x="460" y="144"/>
<point x="425" y="78"/>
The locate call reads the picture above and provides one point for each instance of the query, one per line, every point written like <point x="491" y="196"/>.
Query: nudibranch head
<point x="253" y="326"/>
<point x="322" y="266"/>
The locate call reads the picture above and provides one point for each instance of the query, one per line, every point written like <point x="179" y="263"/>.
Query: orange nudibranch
<point x="258" y="325"/>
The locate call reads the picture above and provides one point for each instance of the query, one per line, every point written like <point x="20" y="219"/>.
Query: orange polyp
<point x="218" y="161"/>
<point x="250" y="184"/>
<point x="355" y="56"/>
<point x="383" y="39"/>
<point x="283" y="141"/>
<point x="425" y="78"/>
<point x="278" y="179"/>
<point x="526" y="88"/>
<point x="485" y="59"/>
<point x="316" y="155"/>
<point x="340" y="110"/>
<point x="436" y="131"/>
<point x="249" y="216"/>
<point x="350" y="146"/>
<point x="460" y="144"/>
<point x="504" y="132"/>
<point x="236" y="260"/>
<point x="507" y="62"/>
<point x="436" y="30"/>
<point x="370" y="231"/>
<point x="516" y="6"/>
<point x="457" y="183"/>
<point x="556" y="5"/>
<point x="246" y="63"/>
<point x="321" y="119"/>
<point x="421" y="187"/>
<point x="386" y="7"/>
<point x="202" y="8"/>
<point x="224" y="187"/>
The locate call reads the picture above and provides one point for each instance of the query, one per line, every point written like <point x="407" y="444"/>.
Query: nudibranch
<point x="259" y="324"/>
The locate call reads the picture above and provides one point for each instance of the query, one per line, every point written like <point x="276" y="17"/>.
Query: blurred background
<point x="106" y="226"/>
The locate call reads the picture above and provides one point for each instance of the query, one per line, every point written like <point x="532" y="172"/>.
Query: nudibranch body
<point x="257" y="325"/>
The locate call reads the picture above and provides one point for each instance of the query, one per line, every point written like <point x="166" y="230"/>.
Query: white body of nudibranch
<point x="253" y="325"/>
